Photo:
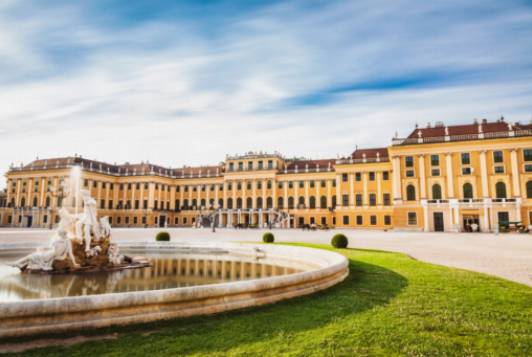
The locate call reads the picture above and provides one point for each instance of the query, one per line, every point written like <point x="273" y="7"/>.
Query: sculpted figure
<point x="60" y="249"/>
<point x="88" y="222"/>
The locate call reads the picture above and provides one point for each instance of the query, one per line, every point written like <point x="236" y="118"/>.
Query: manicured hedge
<point x="162" y="237"/>
<point x="268" y="237"/>
<point x="339" y="241"/>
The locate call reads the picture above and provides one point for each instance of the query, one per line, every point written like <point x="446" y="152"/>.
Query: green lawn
<point x="389" y="305"/>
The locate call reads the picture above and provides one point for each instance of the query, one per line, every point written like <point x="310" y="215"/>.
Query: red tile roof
<point x="473" y="128"/>
<point x="370" y="153"/>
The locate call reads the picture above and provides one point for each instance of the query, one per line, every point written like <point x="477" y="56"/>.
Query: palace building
<point x="439" y="178"/>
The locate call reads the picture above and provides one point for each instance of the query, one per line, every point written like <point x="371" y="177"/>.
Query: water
<point x="166" y="272"/>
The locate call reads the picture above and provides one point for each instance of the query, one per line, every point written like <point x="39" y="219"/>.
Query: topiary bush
<point x="162" y="237"/>
<point x="268" y="237"/>
<point x="339" y="241"/>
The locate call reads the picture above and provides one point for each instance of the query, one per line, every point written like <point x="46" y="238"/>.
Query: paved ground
<point x="507" y="255"/>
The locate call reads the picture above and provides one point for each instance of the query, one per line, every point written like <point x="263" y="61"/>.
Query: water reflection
<point x="165" y="273"/>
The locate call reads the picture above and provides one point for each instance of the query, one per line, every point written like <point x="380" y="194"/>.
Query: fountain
<point x="80" y="243"/>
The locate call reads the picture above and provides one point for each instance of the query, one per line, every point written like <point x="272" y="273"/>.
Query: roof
<point x="312" y="164"/>
<point x="474" y="128"/>
<point x="371" y="153"/>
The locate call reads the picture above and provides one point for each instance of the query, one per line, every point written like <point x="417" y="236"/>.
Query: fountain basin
<point x="307" y="270"/>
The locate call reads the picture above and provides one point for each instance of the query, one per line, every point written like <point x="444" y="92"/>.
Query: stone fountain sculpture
<point x="81" y="243"/>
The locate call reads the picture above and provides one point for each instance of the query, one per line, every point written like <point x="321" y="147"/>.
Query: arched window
<point x="301" y="202"/>
<point x="280" y="202"/>
<point x="436" y="192"/>
<point x="334" y="201"/>
<point x="194" y="203"/>
<point x="185" y="204"/>
<point x="410" y="193"/>
<point x="249" y="203"/>
<point x="203" y="202"/>
<point x="468" y="190"/>
<point x="259" y="202"/>
<point x="211" y="203"/>
<point x="500" y="190"/>
<point x="312" y="202"/>
<point x="34" y="201"/>
<point x="529" y="189"/>
<point x="230" y="203"/>
<point x="323" y="202"/>
<point x="221" y="203"/>
<point x="238" y="202"/>
<point x="269" y="202"/>
<point x="47" y="201"/>
<point x="23" y="202"/>
<point x="290" y="202"/>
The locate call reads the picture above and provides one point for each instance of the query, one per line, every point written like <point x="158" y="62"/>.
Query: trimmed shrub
<point x="162" y="237"/>
<point x="268" y="237"/>
<point x="339" y="241"/>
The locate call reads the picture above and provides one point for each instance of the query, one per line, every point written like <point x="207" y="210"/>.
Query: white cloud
<point x="162" y="91"/>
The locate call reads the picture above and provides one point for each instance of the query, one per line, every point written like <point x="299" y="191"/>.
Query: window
<point x="186" y="188"/>
<point x="385" y="175"/>
<point x="435" y="172"/>
<point x="259" y="202"/>
<point x="145" y="204"/>
<point x="387" y="220"/>
<point x="409" y="173"/>
<point x="466" y="159"/>
<point x="467" y="189"/>
<point x="345" y="220"/>
<point x="240" y="166"/>
<point x="261" y="166"/>
<point x="466" y="171"/>
<point x="301" y="184"/>
<point x="344" y="177"/>
<point x="529" y="189"/>
<point x="500" y="190"/>
<point x="436" y="192"/>
<point x="322" y="183"/>
<point x="372" y="199"/>
<point x="498" y="156"/>
<point x="435" y="160"/>
<point x="280" y="202"/>
<point x="334" y="201"/>
<point x="409" y="161"/>
<point x="410" y="193"/>
<point x="386" y="199"/>
<point x="345" y="200"/>
<point x="499" y="169"/>
<point x="229" y="187"/>
<point x="231" y="166"/>
<point x="360" y="220"/>
<point x="503" y="217"/>
<point x="333" y="183"/>
<point x="230" y="203"/>
<point x="358" y="176"/>
<point x="372" y="176"/>
<point x="290" y="202"/>
<point x="239" y="186"/>
<point x="323" y="221"/>
<point x="323" y="202"/>
<point x="290" y="184"/>
<point x="412" y="218"/>
<point x="301" y="202"/>
<point x="239" y="202"/>
<point x="527" y="154"/>
<point x="373" y="220"/>
<point x="312" y="202"/>
<point x="358" y="199"/>
<point x="270" y="164"/>
<point x="248" y="185"/>
<point x="280" y="185"/>
<point x="312" y="184"/>
<point x="250" y="165"/>
<point x="269" y="185"/>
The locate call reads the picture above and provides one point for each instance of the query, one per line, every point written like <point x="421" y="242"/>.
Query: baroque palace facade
<point x="439" y="178"/>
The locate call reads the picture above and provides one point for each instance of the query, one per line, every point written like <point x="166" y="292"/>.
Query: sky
<point x="187" y="82"/>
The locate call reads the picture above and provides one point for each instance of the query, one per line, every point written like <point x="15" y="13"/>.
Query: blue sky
<point x="188" y="82"/>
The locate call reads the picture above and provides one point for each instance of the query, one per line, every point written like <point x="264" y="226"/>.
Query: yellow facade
<point x="453" y="178"/>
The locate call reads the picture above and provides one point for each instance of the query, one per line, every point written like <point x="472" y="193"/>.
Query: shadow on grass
<point x="366" y="287"/>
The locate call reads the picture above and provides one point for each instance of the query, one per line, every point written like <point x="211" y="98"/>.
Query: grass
<point x="389" y="305"/>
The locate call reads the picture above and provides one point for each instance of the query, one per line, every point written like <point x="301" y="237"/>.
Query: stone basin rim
<point x="26" y="317"/>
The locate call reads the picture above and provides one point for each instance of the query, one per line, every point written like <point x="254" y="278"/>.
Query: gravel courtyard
<point x="508" y="256"/>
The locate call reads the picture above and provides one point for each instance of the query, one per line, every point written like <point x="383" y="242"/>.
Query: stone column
<point x="515" y="174"/>
<point x="396" y="174"/>
<point x="450" y="178"/>
<point x="225" y="195"/>
<point x="151" y="195"/>
<point x="422" y="180"/>
<point x="379" y="188"/>
<point x="484" y="174"/>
